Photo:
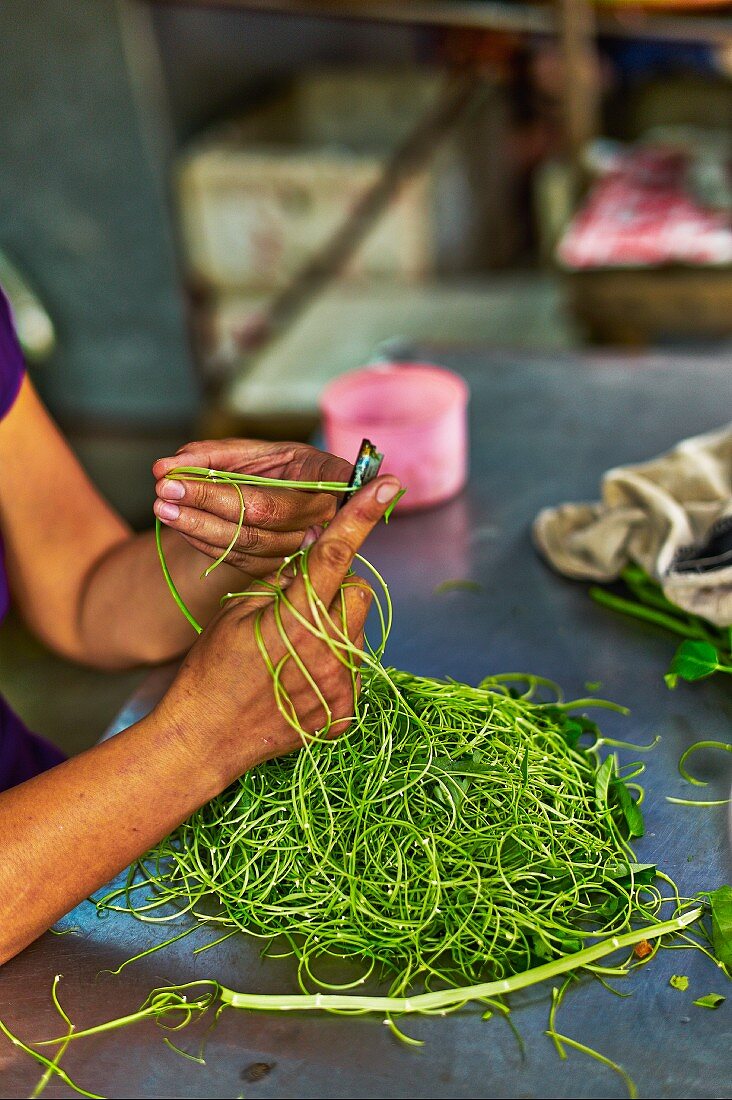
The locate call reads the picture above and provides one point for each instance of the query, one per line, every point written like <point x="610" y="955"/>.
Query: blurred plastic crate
<point x="260" y="196"/>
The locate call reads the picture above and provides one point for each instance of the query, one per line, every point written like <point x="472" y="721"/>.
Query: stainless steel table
<point x="542" y="431"/>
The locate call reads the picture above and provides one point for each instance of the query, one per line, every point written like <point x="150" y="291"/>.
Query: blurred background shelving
<point x="112" y="103"/>
<point x="687" y="21"/>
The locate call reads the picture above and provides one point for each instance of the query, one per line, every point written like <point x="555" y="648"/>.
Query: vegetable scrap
<point x="711" y="1000"/>
<point x="452" y="830"/>
<point x="723" y="746"/>
<point x="679" y="981"/>
<point x="720" y="902"/>
<point x="706" y="648"/>
<point x="457" y="586"/>
<point x="695" y="661"/>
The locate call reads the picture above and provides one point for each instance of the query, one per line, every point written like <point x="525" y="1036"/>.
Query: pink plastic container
<point x="415" y="414"/>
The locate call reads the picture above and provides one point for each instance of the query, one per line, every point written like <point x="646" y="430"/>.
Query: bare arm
<point x="93" y="590"/>
<point x="85" y="584"/>
<point x="68" y="831"/>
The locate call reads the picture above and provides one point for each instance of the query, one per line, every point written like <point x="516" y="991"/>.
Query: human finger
<point x="249" y="566"/>
<point x="357" y="599"/>
<point x="276" y="509"/>
<point x="331" y="556"/>
<point x="212" y="454"/>
<point x="219" y="533"/>
<point x="292" y="461"/>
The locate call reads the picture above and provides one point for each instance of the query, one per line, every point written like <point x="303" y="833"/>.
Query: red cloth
<point x="640" y="215"/>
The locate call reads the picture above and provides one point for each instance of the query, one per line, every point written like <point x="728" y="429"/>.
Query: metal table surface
<point x="543" y="431"/>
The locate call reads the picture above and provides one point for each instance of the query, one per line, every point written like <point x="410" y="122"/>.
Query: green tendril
<point x="723" y="746"/>
<point x="454" y="834"/>
<point x="52" y="1067"/>
<point x="457" y="844"/>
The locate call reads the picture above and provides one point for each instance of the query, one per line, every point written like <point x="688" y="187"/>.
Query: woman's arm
<point x="89" y="587"/>
<point x="67" y="832"/>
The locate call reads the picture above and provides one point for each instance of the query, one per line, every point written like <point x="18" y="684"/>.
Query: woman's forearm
<point x="127" y="615"/>
<point x="69" y="831"/>
<point x="86" y="585"/>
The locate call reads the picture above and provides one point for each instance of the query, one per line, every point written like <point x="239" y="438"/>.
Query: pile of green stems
<point x="454" y="834"/>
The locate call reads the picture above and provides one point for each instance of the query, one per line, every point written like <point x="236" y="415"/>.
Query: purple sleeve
<point x="12" y="367"/>
<point x="22" y="754"/>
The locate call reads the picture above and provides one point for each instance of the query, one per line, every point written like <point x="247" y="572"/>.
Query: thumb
<point x="332" y="555"/>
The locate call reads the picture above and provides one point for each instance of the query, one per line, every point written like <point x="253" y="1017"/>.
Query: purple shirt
<point x="22" y="754"/>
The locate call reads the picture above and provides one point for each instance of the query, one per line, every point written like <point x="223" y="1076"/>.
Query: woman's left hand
<point x="276" y="521"/>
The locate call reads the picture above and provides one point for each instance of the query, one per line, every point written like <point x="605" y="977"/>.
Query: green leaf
<point x="608" y="908"/>
<point x="571" y="730"/>
<point x="679" y="981"/>
<point x="693" y="661"/>
<point x="710" y="1000"/>
<point x="602" y="781"/>
<point x="630" y="809"/>
<point x="570" y="946"/>
<point x="643" y="874"/>
<point x="721" y="903"/>
<point x="541" y="949"/>
<point x="457" y="585"/>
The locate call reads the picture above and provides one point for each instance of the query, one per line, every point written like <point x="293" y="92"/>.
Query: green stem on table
<point x="648" y="614"/>
<point x="722" y="745"/>
<point x="698" y="802"/>
<point x="51" y="1065"/>
<point x="449" y="998"/>
<point x="172" y="999"/>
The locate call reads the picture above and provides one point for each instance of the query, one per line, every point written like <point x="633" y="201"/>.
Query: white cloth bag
<point x="672" y="515"/>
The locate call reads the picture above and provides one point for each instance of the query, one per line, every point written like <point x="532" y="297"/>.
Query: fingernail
<point x="167" y="511"/>
<point x="311" y="535"/>
<point x="387" y="491"/>
<point x="172" y="490"/>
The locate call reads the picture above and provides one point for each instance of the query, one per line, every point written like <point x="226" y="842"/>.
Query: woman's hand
<point x="222" y="703"/>
<point x="276" y="521"/>
<point x="219" y="718"/>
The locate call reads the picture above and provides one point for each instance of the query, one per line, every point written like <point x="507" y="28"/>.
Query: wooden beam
<point x="577" y="31"/>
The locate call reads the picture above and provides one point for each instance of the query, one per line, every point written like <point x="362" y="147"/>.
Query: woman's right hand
<point x="218" y="719"/>
<point x="221" y="705"/>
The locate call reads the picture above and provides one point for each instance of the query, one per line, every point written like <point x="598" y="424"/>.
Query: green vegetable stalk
<point x="706" y="648"/>
<point x="461" y="842"/>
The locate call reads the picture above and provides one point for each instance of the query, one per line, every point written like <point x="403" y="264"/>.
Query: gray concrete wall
<point x="82" y="213"/>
